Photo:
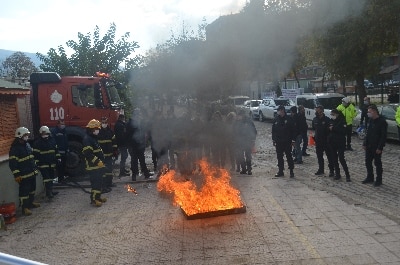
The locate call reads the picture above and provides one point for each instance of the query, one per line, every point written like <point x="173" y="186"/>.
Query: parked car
<point x="267" y="109"/>
<point x="368" y="84"/>
<point x="252" y="107"/>
<point x="389" y="112"/>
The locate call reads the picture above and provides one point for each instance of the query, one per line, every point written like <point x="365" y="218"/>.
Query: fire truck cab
<point x="76" y="100"/>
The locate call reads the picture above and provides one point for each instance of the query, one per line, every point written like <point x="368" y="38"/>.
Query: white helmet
<point x="21" y="131"/>
<point x="346" y="100"/>
<point x="44" y="130"/>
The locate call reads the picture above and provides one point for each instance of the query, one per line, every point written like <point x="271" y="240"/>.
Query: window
<point x="83" y="96"/>
<point x="388" y="113"/>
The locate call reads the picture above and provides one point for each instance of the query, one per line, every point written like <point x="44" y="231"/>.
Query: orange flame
<point x="100" y="74"/>
<point x="129" y="188"/>
<point x="215" y="194"/>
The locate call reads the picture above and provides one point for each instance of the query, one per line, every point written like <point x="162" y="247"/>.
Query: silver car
<point x="389" y="112"/>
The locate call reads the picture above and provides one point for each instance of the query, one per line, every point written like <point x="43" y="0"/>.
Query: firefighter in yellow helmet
<point x="23" y="167"/>
<point x="94" y="160"/>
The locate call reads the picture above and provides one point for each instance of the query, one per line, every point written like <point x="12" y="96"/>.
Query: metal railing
<point x="10" y="259"/>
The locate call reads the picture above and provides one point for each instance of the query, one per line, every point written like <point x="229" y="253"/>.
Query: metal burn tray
<point x="215" y="213"/>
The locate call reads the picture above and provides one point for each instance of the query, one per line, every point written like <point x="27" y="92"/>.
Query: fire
<point x="130" y="189"/>
<point x="215" y="194"/>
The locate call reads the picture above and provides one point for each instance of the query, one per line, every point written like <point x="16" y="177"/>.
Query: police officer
<point x="349" y="113"/>
<point x="23" y="167"/>
<point x="373" y="145"/>
<point x="320" y="125"/>
<point x="283" y="137"/>
<point x="337" y="143"/>
<point x="47" y="157"/>
<point x="94" y="160"/>
<point x="107" y="142"/>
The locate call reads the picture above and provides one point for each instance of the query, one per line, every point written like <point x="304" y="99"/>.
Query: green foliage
<point x="18" y="65"/>
<point x="91" y="53"/>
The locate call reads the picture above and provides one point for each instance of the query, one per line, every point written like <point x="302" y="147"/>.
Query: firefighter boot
<point x="96" y="203"/>
<point x="100" y="199"/>
<point x="33" y="204"/>
<point x="26" y="211"/>
<point x="25" y="207"/>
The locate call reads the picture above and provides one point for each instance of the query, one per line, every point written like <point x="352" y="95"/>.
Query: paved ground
<point x="305" y="220"/>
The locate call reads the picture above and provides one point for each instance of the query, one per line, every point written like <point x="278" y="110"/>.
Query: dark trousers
<point x="96" y="182"/>
<point x="243" y="158"/>
<point x="48" y="176"/>
<point x="349" y="132"/>
<point x="320" y="149"/>
<point x="281" y="149"/>
<point x="371" y="155"/>
<point x="123" y="150"/>
<point x="108" y="171"/>
<point x="304" y="136"/>
<point x="337" y="155"/>
<point x="61" y="173"/>
<point x="137" y="157"/>
<point x="27" y="189"/>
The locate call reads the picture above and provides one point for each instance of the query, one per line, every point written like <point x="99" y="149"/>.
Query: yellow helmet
<point x="21" y="131"/>
<point x="93" y="124"/>
<point x="44" y="130"/>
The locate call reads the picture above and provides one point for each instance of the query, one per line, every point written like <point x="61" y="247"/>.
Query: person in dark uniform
<point x="364" y="111"/>
<point x="60" y="135"/>
<point x="373" y="145"/>
<point x="122" y="144"/>
<point x="94" y="160"/>
<point x="337" y="143"/>
<point x="137" y="137"/>
<point x="23" y="167"/>
<point x="283" y="137"/>
<point x="245" y="136"/>
<point x="303" y="126"/>
<point x="108" y="144"/>
<point x="46" y="155"/>
<point x="320" y="125"/>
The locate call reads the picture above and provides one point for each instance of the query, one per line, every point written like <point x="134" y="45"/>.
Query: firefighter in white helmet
<point x="23" y="167"/>
<point x="47" y="157"/>
<point x="94" y="160"/>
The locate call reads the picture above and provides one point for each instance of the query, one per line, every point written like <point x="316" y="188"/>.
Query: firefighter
<point x="47" y="157"/>
<point x="60" y="135"/>
<point x="94" y="160"/>
<point x="108" y="144"/>
<point x="23" y="167"/>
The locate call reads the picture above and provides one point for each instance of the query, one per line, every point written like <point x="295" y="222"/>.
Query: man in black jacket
<point x="320" y="125"/>
<point x="283" y="137"/>
<point x="373" y="145"/>
<point x="121" y="139"/>
<point x="137" y="136"/>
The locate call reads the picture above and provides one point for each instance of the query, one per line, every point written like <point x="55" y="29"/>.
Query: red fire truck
<point x="76" y="100"/>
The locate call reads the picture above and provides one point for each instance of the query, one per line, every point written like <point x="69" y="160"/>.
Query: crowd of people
<point x="226" y="141"/>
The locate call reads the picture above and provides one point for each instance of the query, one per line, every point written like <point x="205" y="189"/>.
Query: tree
<point x="354" y="47"/>
<point x="91" y="53"/>
<point x="18" y="65"/>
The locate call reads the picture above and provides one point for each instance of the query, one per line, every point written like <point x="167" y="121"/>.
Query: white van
<point x="328" y="100"/>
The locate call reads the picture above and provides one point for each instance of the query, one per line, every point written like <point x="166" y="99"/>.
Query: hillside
<point x="6" y="53"/>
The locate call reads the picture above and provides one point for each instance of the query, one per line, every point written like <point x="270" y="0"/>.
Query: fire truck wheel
<point x="75" y="163"/>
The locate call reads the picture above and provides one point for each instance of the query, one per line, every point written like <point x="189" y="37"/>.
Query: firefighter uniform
<point x="23" y="167"/>
<point x="46" y="156"/>
<point x="108" y="144"/>
<point x="94" y="160"/>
